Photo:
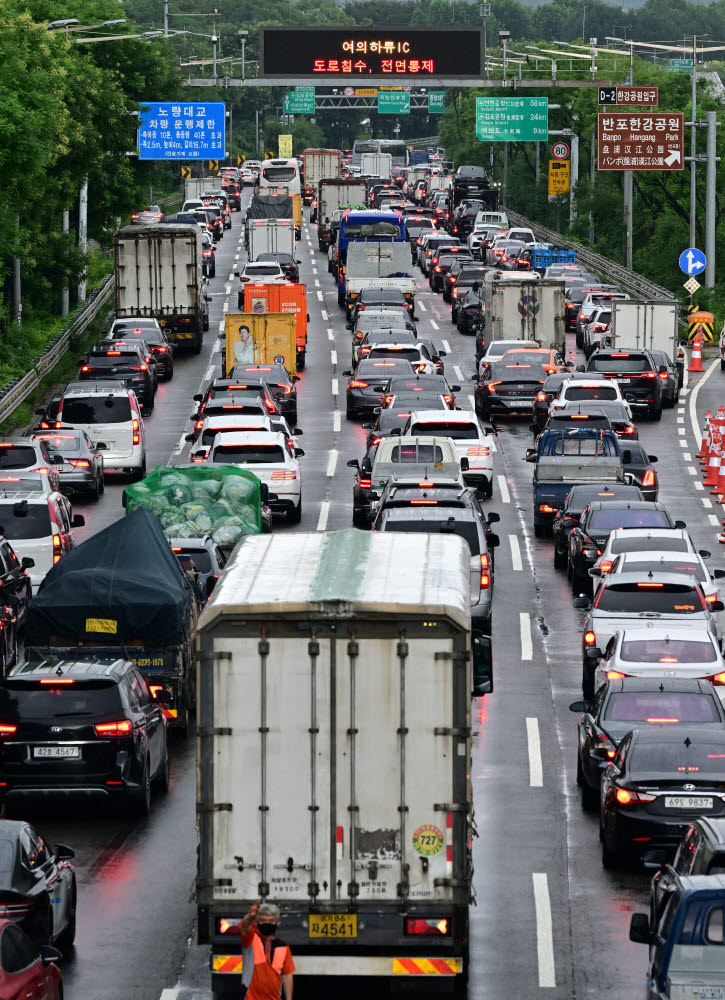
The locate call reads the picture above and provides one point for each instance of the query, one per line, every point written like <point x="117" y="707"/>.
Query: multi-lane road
<point x="548" y="918"/>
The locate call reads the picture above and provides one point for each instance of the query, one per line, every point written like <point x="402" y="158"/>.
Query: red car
<point x="26" y="971"/>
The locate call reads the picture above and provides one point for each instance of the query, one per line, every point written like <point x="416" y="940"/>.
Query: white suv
<point x="470" y="441"/>
<point x="39" y="526"/>
<point x="579" y="390"/>
<point x="110" y="415"/>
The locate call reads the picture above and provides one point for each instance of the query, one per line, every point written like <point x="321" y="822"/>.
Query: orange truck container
<point x="284" y="297"/>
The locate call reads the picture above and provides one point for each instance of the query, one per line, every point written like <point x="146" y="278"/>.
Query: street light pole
<point x="166" y="17"/>
<point x="693" y="146"/>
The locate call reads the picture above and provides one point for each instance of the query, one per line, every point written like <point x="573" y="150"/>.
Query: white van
<point x="39" y="526"/>
<point x="421" y="456"/>
<point x="110" y="415"/>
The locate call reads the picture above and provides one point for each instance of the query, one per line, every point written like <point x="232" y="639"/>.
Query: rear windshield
<point x="97" y="410"/>
<point x="651" y="544"/>
<point x="279" y="174"/>
<point x="375" y="321"/>
<point x="249" y="454"/>
<point x="406" y="453"/>
<point x="17" y="456"/>
<point x="62" y="442"/>
<point x="649" y="706"/>
<point x="668" y="651"/>
<point x="664" y="598"/>
<point x="593" y="447"/>
<point x="464" y="529"/>
<point x="218" y="409"/>
<point x="678" y="758"/>
<point x="33" y="522"/>
<point x="409" y="353"/>
<point x="199" y="557"/>
<point x="687" y="566"/>
<point x="368" y="230"/>
<point x="608" y="520"/>
<point x="211" y="432"/>
<point x="262" y="269"/>
<point x="93" y="700"/>
<point x="591" y="392"/>
<point x="444" y="428"/>
<point x="113" y="359"/>
<point x="620" y="363"/>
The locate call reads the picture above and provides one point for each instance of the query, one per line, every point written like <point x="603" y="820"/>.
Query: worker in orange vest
<point x="267" y="971"/>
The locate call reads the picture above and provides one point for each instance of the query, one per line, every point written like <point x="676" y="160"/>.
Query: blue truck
<point x="566" y="458"/>
<point x="365" y="227"/>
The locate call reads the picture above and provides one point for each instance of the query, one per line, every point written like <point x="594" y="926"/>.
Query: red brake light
<point x="56" y="681"/>
<point x="710" y="598"/>
<point x="546" y="509"/>
<point x="136" y="434"/>
<point x="492" y="386"/>
<point x="7" y="730"/>
<point x="121" y="728"/>
<point x="80" y="463"/>
<point x="365" y="484"/>
<point x="658" y="721"/>
<point x="664" y="375"/>
<point x="541" y="397"/>
<point x="589" y="638"/>
<point x="615" y="675"/>
<point x="357" y="384"/>
<point x="606" y="566"/>
<point x="85" y="368"/>
<point x="626" y="797"/>
<point x="57" y="548"/>
<point x="718" y="679"/>
<point x="429" y="927"/>
<point x="485" y="572"/>
<point x="112" y="353"/>
<point x="649" y="585"/>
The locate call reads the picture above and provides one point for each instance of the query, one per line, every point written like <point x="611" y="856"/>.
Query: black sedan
<point x="616" y="412"/>
<point x="577" y="500"/>
<point x="659" y="781"/>
<point x="377" y="298"/>
<point x="361" y="489"/>
<point x="638" y="467"/>
<point x="282" y="384"/>
<point x="509" y="389"/>
<point x="443" y="261"/>
<point x="37" y="884"/>
<point x="670" y="378"/>
<point x="424" y="384"/>
<point x="468" y="310"/>
<point x="78" y="461"/>
<point x="367" y="384"/>
<point x="621" y="704"/>
<point x="286" y="261"/>
<point x="589" y="538"/>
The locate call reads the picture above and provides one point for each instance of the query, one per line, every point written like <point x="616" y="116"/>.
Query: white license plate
<point x="711" y="993"/>
<point x="687" y="802"/>
<point x="56" y="751"/>
<point x="624" y="381"/>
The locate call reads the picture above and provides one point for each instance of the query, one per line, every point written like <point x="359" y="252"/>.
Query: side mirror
<point x="488" y="430"/>
<point x="718" y="574"/>
<point x="296" y="378"/>
<point x="49" y="954"/>
<point x="639" y="928"/>
<point x="493" y="517"/>
<point x="654" y="860"/>
<point x="235" y="273"/>
<point x="353" y="463"/>
<point x="579" y="707"/>
<point x="101" y="446"/>
<point x="396" y="432"/>
<point x="595" y="571"/>
<point x="367" y="426"/>
<point x="222" y="336"/>
<point x="348" y="326"/>
<point x="680" y="524"/>
<point x="197" y="398"/>
<point x="441" y="354"/>
<point x="27" y="562"/>
<point x="464" y="465"/>
<point x="580" y="368"/>
<point x="297" y="431"/>
<point x="347" y="373"/>
<point x="207" y="298"/>
<point x="299" y="452"/>
<point x="582" y="603"/>
<point x="455" y="388"/>
<point x="594" y="653"/>
<point x="704" y="553"/>
<point x="77" y="521"/>
<point x="190" y="437"/>
<point x="717" y="606"/>
<point x="64" y="853"/>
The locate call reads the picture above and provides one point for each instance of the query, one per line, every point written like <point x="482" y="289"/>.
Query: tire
<point x="349" y="414"/>
<point x="611" y="857"/>
<point x="301" y="362"/>
<point x="580" y="584"/>
<point x="149" y="407"/>
<point x="197" y="344"/>
<point x="359" y="520"/>
<point x="169" y="373"/>
<point x="66" y="939"/>
<point x="657" y="414"/>
<point x="559" y="558"/>
<point x="579" y="340"/>
<point x="95" y="493"/>
<point x="141" y="799"/>
<point x="341" y="300"/>
<point x="589" y="797"/>
<point x="161" y="780"/>
<point x="102" y="486"/>
<point x="205" y="322"/>
<point x="587" y="681"/>
<point x="294" y="515"/>
<point x="140" y="473"/>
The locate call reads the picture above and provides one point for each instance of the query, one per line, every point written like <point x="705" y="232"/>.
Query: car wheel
<point x="579" y="340"/>
<point x="559" y="558"/>
<point x="579" y="772"/>
<point x="294" y="514"/>
<point x="150" y="403"/>
<point x="139" y="473"/>
<point x="169" y="373"/>
<point x="96" y="491"/>
<point x="102" y="485"/>
<point x="656" y="414"/>
<point x="350" y="414"/>
<point x="161" y="780"/>
<point x="66" y="939"/>
<point x="539" y="530"/>
<point x="611" y="857"/>
<point x="580" y="584"/>
<point x="587" y="680"/>
<point x="589" y="797"/>
<point x="359" y="519"/>
<point x="141" y="798"/>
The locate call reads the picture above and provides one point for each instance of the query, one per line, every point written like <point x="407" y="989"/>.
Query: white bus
<point x="395" y="146"/>
<point x="278" y="173"/>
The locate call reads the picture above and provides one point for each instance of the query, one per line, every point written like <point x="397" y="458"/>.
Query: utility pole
<point x="710" y="192"/>
<point x="214" y="41"/>
<point x="693" y="146"/>
<point x="485" y="10"/>
<point x="83" y="235"/>
<point x="256" y="131"/>
<point x="628" y="186"/>
<point x="592" y="175"/>
<point x="504" y="37"/>
<point x="166" y="17"/>
<point x="17" y="293"/>
<point x="573" y="175"/>
<point x="65" y="295"/>
<point x="538" y="157"/>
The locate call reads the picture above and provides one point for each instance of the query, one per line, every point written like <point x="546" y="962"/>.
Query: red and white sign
<point x="349" y="91"/>
<point x="560" y="151"/>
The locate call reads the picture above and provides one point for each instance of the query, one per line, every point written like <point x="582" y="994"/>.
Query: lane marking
<point x="459" y="373"/>
<point x="336" y="418"/>
<point x="334" y="387"/>
<point x="225" y="307"/>
<point x="170" y="993"/>
<point x="236" y="256"/>
<point x="314" y="270"/>
<point x="687" y="457"/>
<point x="683" y="443"/>
<point x="515" y="553"/>
<point x="333" y="357"/>
<point x="527" y="648"/>
<point x="679" y="419"/>
<point x="472" y="401"/>
<point x="221" y="326"/>
<point x="544" y="933"/>
<point x="504" y="490"/>
<point x="692" y="470"/>
<point x="536" y="768"/>
<point x="696" y="430"/>
<point x="319" y="296"/>
<point x="322" y="519"/>
<point x="227" y="288"/>
<point x="332" y="462"/>
<point x="706" y="502"/>
<point x="317" y="283"/>
<point x="434" y="324"/>
<point x="421" y="306"/>
<point x="714" y="519"/>
<point x="331" y="334"/>
<point x="180" y="446"/>
<point x="699" y="486"/>
<point x="681" y="430"/>
<point x="324" y="315"/>
<point x="217" y="348"/>
<point x="209" y="373"/>
<point x="446" y="346"/>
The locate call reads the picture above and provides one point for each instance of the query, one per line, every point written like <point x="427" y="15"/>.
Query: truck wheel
<point x="205" y="324"/>
<point x="341" y="300"/>
<point x="301" y="361"/>
<point x="197" y="343"/>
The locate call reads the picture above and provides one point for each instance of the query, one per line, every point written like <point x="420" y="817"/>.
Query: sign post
<point x="169" y="131"/>
<point x="642" y="141"/>
<point x="512" y="119"/>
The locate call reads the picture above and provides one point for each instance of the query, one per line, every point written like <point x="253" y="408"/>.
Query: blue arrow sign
<point x="692" y="261"/>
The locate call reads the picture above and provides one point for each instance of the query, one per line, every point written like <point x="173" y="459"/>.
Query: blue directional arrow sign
<point x="692" y="261"/>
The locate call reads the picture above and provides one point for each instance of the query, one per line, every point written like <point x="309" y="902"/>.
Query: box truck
<point x="159" y="273"/>
<point x="649" y="325"/>
<point x="258" y="338"/>
<point x="283" y="297"/>
<point x="377" y="165"/>
<point x="331" y="195"/>
<point x="334" y="754"/>
<point x="383" y="265"/>
<point x="521" y="308"/>
<point x="196" y="186"/>
<point x="271" y="236"/>
<point x="320" y="164"/>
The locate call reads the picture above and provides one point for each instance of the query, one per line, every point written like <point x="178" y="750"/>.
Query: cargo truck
<point x="159" y="274"/>
<point x="377" y="165"/>
<point x="271" y="236"/>
<point x="384" y="265"/>
<point x="259" y="337"/>
<point x="649" y="325"/>
<point x="320" y="164"/>
<point x="285" y="297"/>
<point x="333" y="195"/>
<point x="196" y="186"/>
<point x="334" y="754"/>
<point x="522" y="308"/>
<point x="282" y="191"/>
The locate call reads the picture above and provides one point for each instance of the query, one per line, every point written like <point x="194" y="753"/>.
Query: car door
<point x="576" y="534"/>
<point x="24" y="977"/>
<point x="154" y="716"/>
<point x="660" y="947"/>
<point x="37" y="860"/>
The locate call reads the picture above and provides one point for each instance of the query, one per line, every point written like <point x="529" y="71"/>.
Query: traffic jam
<point x="367" y="343"/>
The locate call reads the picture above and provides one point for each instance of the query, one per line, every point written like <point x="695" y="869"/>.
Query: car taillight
<point x="541" y="397"/>
<point x="485" y="572"/>
<point x="606" y="566"/>
<point x="121" y="728"/>
<point x="6" y="729"/>
<point x="625" y="797"/>
<point x="365" y="484"/>
<point x="283" y="477"/>
<point x="85" y="368"/>
<point x="582" y="315"/>
<point x="615" y="675"/>
<point x="629" y="429"/>
<point x="357" y="384"/>
<point x="79" y="463"/>
<point x="452" y="279"/>
<point x="432" y="926"/>
<point x="480" y="452"/>
<point x="57" y="548"/>
<point x="664" y="375"/>
<point x="604" y="745"/>
<point x="589" y="638"/>
<point x="546" y="508"/>
<point x="136" y="432"/>
<point x="137" y="368"/>
<point x="717" y="679"/>
<point x="710" y="598"/>
<point x="492" y="386"/>
<point x="228" y="925"/>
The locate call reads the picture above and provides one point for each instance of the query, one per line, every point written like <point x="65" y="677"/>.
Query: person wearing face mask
<point x="268" y="968"/>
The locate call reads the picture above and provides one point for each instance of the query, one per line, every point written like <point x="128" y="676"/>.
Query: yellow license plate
<point x="333" y="925"/>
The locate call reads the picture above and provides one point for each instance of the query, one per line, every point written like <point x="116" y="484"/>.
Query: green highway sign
<point x="304" y="90"/>
<point x="296" y="103"/>
<point x="393" y="102"/>
<point x="512" y="119"/>
<point x="680" y="63"/>
<point x="436" y="101"/>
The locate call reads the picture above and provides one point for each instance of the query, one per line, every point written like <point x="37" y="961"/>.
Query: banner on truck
<point x="260" y="337"/>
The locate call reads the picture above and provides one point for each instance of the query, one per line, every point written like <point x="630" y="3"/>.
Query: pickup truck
<point x="566" y="458"/>
<point x="410" y="455"/>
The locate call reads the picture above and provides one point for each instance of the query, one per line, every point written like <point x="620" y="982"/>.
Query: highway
<point x="548" y="919"/>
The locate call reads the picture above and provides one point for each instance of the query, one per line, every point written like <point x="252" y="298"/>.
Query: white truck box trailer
<point x="320" y="164"/>
<point x="271" y="236"/>
<point x="522" y="309"/>
<point x="645" y="324"/>
<point x="334" y="753"/>
<point x="196" y="186"/>
<point x="335" y="194"/>
<point x="377" y="165"/>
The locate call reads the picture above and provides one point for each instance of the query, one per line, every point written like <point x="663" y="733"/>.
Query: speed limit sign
<point x="560" y="151"/>
<point x="349" y="91"/>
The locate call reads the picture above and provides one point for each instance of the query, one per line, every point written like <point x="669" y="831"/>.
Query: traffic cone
<point x="711" y="443"/>
<point x="713" y="466"/>
<point x="570" y="358"/>
<point x="696" y="360"/>
<point x="704" y="452"/>
<point x="719" y="489"/>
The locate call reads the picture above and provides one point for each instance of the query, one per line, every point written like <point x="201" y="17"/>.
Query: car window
<point x="20" y="521"/>
<point x="416" y="453"/>
<point x="714" y="926"/>
<point x="17" y="952"/>
<point x="444" y="428"/>
<point x="681" y="758"/>
<point x="249" y="454"/>
<point x="717" y="865"/>
<point x="32" y="854"/>
<point x="648" y="544"/>
<point x="608" y="520"/>
<point x="20" y="700"/>
<point x="464" y="529"/>
<point x="619" y="363"/>
<point x="668" y="651"/>
<point x="17" y="457"/>
<point x="649" y="595"/>
<point x="97" y="410"/>
<point x="661" y="706"/>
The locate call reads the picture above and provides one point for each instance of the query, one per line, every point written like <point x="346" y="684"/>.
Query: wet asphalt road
<point x="548" y="919"/>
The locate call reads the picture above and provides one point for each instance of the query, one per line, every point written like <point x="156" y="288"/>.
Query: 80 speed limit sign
<point x="560" y="151"/>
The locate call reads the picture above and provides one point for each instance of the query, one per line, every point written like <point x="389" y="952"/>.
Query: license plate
<point x="56" y="751"/>
<point x="624" y="381"/>
<point x="711" y="993"/>
<point x="333" y="925"/>
<point x="687" y="802"/>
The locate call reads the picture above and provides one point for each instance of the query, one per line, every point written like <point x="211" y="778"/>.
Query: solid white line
<point x="319" y="296"/>
<point x="544" y="933"/>
<point x="332" y="462"/>
<point x="322" y="519"/>
<point x="714" y="519"/>
<point x="503" y="489"/>
<point x="324" y="315"/>
<point x="527" y="649"/>
<point x="334" y="387"/>
<point x="459" y="373"/>
<point x="180" y="446"/>
<point x="331" y="334"/>
<point x="515" y="553"/>
<point x="170" y="993"/>
<point x="336" y="418"/>
<point x="446" y="346"/>
<point x="421" y="306"/>
<point x="696" y="429"/>
<point x="434" y="324"/>
<point x="536" y="769"/>
<point x="333" y="357"/>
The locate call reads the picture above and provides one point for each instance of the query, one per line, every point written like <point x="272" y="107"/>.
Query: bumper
<point x="516" y="407"/>
<point x="364" y="405"/>
<point x="478" y="477"/>
<point x="661" y="831"/>
<point x="421" y="964"/>
<point x="117" y="462"/>
<point x="284" y="502"/>
<point x="78" y="483"/>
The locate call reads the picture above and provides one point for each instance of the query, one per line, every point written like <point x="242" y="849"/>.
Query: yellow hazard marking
<point x="426" y="966"/>
<point x="227" y="963"/>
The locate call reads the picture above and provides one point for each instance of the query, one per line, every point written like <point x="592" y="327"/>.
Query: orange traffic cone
<point x="696" y="360"/>
<point x="719" y="489"/>
<point x="704" y="452"/>
<point x="713" y="466"/>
